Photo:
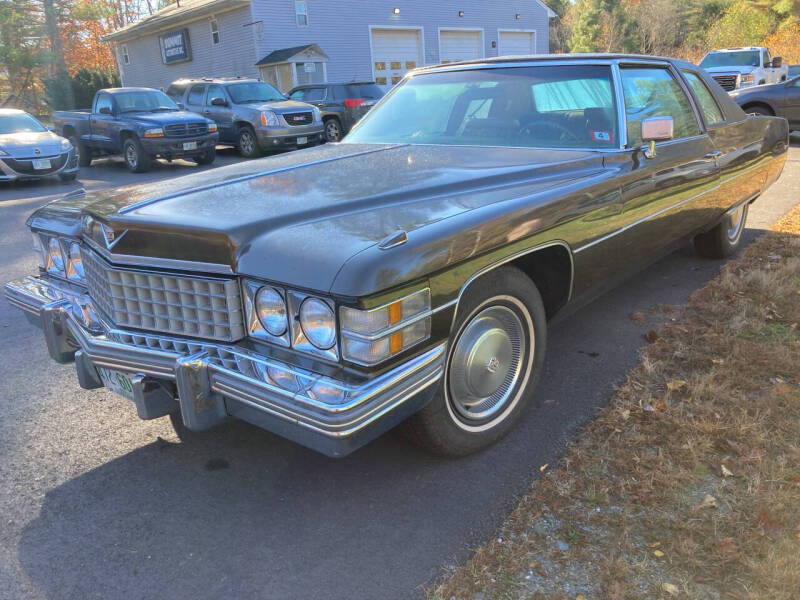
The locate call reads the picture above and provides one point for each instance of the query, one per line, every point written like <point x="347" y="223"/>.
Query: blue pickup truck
<point x="142" y="124"/>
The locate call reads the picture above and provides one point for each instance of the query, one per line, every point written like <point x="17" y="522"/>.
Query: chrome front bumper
<point x="209" y="382"/>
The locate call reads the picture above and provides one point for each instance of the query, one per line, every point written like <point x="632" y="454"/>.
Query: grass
<point x="687" y="485"/>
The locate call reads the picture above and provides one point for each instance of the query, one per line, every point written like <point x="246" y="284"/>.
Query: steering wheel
<point x="527" y="129"/>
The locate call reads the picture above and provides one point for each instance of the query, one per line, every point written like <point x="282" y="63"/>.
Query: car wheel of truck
<point x="84" y="153"/>
<point x="494" y="361"/>
<point x="136" y="159"/>
<point x="333" y="130"/>
<point x="248" y="143"/>
<point x="724" y="239"/>
<point x="207" y="157"/>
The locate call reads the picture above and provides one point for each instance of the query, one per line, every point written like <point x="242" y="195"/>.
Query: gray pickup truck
<point x="142" y="124"/>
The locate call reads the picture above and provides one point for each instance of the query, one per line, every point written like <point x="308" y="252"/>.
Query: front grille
<point x="185" y="129"/>
<point x="303" y="118"/>
<point x="146" y="340"/>
<point x="179" y="305"/>
<point x="727" y="82"/>
<point x="25" y="165"/>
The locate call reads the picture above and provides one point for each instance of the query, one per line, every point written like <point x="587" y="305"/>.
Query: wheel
<point x="494" y="362"/>
<point x="724" y="239"/>
<point x="67" y="176"/>
<point x="762" y="82"/>
<point x="333" y="130"/>
<point x="184" y="433"/>
<point x="136" y="159"/>
<point x="248" y="143"/>
<point x="207" y="157"/>
<point x="84" y="153"/>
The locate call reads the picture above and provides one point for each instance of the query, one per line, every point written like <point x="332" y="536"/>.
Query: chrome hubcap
<point x="736" y="222"/>
<point x="130" y="156"/>
<point x="332" y="131"/>
<point x="486" y="363"/>
<point x="247" y="143"/>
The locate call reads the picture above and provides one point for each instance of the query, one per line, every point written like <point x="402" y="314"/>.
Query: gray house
<point x="288" y="42"/>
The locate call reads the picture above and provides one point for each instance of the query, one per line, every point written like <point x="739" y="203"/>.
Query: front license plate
<point x="302" y="140"/>
<point x="41" y="163"/>
<point x="117" y="382"/>
<point x="190" y="145"/>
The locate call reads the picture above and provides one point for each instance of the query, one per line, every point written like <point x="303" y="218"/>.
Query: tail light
<point x="353" y="102"/>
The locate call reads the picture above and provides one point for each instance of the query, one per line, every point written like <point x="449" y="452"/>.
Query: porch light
<point x="461" y="13"/>
<point x="396" y="11"/>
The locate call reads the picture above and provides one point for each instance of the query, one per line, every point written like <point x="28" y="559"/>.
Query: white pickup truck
<point x="735" y="68"/>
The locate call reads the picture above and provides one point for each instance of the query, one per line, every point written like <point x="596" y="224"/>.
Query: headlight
<point x="66" y="146"/>
<point x="372" y="336"/>
<point x="271" y="310"/>
<point x="318" y="323"/>
<point x="212" y="128"/>
<point x="154" y="133"/>
<point x="269" y="119"/>
<point x="746" y="79"/>
<point x="54" y="259"/>
<point x="75" y="262"/>
<point x="37" y="247"/>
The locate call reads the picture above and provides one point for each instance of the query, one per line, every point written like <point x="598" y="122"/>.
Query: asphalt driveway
<point x="98" y="504"/>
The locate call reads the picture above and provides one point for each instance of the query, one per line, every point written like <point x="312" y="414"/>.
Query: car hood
<point x="297" y="218"/>
<point x="280" y="106"/>
<point x="164" y="118"/>
<point x="729" y="70"/>
<point x="26" y="144"/>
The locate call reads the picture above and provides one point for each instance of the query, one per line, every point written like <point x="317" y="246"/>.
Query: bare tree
<point x="659" y="26"/>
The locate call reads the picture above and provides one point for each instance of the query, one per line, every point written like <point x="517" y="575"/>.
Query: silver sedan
<point x="28" y="150"/>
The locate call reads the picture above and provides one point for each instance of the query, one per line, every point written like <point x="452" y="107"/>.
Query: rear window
<point x="368" y="91"/>
<point x="175" y="91"/>
<point x="196" y="94"/>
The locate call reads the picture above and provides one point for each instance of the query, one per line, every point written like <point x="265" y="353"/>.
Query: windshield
<point x="248" y="93"/>
<point x="750" y="58"/>
<point x="149" y="101"/>
<point x="20" y="123"/>
<point x="530" y="107"/>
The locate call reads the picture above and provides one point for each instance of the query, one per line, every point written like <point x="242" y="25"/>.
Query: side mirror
<point x="656" y="129"/>
<point x="104" y="110"/>
<point x="777" y="62"/>
<point x="219" y="102"/>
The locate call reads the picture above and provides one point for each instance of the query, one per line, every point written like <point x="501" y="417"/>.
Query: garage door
<point x="460" y="45"/>
<point x="516" y="43"/>
<point x="395" y="51"/>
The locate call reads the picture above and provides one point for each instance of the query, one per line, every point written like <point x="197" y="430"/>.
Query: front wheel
<point x="248" y="143"/>
<point x="493" y="365"/>
<point x="724" y="239"/>
<point x="333" y="130"/>
<point x="136" y="159"/>
<point x="207" y="157"/>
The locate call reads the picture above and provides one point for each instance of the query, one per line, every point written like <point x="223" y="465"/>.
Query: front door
<point x="101" y="122"/>
<point x="222" y="115"/>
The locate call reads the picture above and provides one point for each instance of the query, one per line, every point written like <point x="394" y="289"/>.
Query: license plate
<point x="41" y="163"/>
<point x="117" y="382"/>
<point x="302" y="140"/>
<point x="190" y="145"/>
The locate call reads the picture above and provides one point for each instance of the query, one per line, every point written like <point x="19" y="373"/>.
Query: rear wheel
<point x="724" y="239"/>
<point x="136" y="159"/>
<point x="333" y="130"/>
<point x="248" y="143"/>
<point x="493" y="364"/>
<point x="84" y="153"/>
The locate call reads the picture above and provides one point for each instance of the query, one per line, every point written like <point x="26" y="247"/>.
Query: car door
<point x="195" y="98"/>
<point x="791" y="102"/>
<point x="101" y="121"/>
<point x="221" y="114"/>
<point x="663" y="195"/>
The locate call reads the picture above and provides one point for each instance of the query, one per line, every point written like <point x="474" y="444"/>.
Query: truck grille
<point x="727" y="82"/>
<point x="25" y="165"/>
<point x="179" y="305"/>
<point x="303" y="118"/>
<point x="185" y="129"/>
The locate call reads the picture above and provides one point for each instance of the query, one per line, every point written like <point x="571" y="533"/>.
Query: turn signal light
<point x="353" y="102"/>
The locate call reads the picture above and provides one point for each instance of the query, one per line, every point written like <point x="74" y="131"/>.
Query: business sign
<point x="175" y="46"/>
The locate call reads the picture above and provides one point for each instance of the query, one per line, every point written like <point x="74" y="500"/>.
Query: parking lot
<point x="98" y="504"/>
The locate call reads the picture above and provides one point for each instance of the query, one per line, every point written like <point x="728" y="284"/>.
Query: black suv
<point x="250" y="114"/>
<point x="341" y="104"/>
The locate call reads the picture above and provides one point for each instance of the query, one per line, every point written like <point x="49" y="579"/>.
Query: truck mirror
<point x="219" y="102"/>
<point x="656" y="129"/>
<point x="104" y="110"/>
<point x="777" y="62"/>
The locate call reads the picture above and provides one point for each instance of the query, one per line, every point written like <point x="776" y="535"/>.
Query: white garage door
<point x="395" y="51"/>
<point x="514" y="43"/>
<point x="460" y="45"/>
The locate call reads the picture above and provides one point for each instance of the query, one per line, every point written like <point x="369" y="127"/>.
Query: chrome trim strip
<point x="668" y="208"/>
<point x="619" y="92"/>
<point x="210" y="186"/>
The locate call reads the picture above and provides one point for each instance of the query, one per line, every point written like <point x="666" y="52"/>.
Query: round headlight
<point x="283" y="379"/>
<point x="318" y="323"/>
<point x="54" y="255"/>
<point x="271" y="310"/>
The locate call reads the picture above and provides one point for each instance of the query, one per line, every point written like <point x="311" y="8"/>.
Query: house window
<point x="123" y="50"/>
<point x="214" y="32"/>
<point x="301" y="12"/>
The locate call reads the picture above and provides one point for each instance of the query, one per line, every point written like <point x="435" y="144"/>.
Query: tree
<point x="659" y="26"/>
<point x="602" y="26"/>
<point x="740" y="25"/>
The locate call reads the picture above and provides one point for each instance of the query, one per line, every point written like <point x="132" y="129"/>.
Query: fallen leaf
<point x="579" y="597"/>
<point x="766" y="525"/>
<point x="670" y="588"/>
<point x="653" y="544"/>
<point x="661" y="406"/>
<point x="797" y="532"/>
<point x="658" y="553"/>
<point x="626" y="414"/>
<point x="718" y="361"/>
<point x="638" y="317"/>
<point x="675" y="384"/>
<point x="727" y="548"/>
<point x="543" y="467"/>
<point x="708" y="501"/>
<point x="726" y="472"/>
<point x="651" y="336"/>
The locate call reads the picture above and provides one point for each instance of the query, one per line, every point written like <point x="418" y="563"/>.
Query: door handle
<point x="714" y="154"/>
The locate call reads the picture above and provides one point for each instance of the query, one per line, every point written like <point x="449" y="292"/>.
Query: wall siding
<point x="341" y="29"/>
<point x="234" y="55"/>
